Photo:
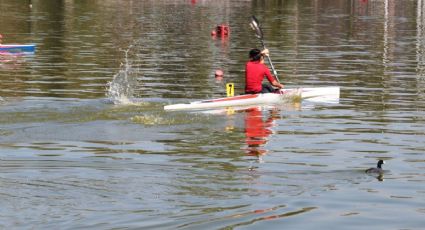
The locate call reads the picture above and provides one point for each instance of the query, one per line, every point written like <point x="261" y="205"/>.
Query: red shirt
<point x="254" y="75"/>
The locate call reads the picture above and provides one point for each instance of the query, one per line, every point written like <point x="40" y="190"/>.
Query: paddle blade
<point x="255" y="25"/>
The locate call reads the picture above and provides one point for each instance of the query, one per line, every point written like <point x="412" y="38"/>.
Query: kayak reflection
<point x="10" y="60"/>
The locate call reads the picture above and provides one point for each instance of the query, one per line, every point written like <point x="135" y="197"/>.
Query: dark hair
<point x="255" y="55"/>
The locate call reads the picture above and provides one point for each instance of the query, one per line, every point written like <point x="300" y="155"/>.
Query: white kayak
<point x="284" y="95"/>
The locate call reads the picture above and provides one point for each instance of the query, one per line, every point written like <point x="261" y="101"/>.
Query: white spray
<point x="121" y="88"/>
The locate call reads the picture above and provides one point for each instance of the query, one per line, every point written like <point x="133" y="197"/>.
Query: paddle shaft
<point x="270" y="62"/>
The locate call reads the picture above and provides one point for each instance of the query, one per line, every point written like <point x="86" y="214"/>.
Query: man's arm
<point x="277" y="84"/>
<point x="274" y="82"/>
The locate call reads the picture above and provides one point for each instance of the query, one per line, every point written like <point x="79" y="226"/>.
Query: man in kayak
<point x="255" y="71"/>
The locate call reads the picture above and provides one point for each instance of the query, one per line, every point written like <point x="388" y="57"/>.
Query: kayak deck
<point x="284" y="95"/>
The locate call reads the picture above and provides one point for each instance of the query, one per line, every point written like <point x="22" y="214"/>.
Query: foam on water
<point x="151" y="120"/>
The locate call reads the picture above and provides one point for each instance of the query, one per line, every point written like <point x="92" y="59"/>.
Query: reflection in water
<point x="270" y="217"/>
<point x="258" y="130"/>
<point x="389" y="33"/>
<point x="420" y="47"/>
<point x="12" y="60"/>
<point x="8" y="59"/>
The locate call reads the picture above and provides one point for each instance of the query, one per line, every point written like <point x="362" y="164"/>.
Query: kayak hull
<point x="15" y="48"/>
<point x="283" y="95"/>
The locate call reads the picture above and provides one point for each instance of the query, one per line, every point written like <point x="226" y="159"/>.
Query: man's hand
<point x="280" y="86"/>
<point x="265" y="52"/>
<point x="277" y="84"/>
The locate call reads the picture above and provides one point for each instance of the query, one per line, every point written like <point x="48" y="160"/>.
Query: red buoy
<point x="219" y="73"/>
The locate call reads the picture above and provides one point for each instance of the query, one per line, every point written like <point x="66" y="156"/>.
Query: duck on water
<point x="378" y="168"/>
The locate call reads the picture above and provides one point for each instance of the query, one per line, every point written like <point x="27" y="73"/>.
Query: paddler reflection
<point x="258" y="129"/>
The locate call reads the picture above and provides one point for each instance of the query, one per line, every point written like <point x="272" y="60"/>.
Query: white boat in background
<point x="326" y="94"/>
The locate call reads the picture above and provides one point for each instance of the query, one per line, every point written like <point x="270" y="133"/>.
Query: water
<point x="85" y="143"/>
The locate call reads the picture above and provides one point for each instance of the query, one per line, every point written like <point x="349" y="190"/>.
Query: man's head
<point x="255" y="55"/>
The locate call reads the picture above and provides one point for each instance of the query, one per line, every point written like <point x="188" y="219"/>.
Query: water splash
<point x="121" y="88"/>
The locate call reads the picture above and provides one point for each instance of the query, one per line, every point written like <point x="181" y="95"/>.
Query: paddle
<point x="255" y="25"/>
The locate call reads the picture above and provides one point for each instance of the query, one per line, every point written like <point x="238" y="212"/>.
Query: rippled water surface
<point x="85" y="142"/>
